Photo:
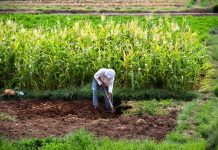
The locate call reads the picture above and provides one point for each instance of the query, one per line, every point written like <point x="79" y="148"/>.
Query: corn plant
<point x="146" y="54"/>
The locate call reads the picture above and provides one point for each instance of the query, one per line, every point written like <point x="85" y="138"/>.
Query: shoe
<point x="96" y="109"/>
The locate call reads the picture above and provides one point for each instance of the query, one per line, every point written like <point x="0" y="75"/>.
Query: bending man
<point x="103" y="78"/>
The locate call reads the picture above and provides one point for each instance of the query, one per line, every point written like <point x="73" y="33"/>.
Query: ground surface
<point x="175" y="12"/>
<point x="98" y="3"/>
<point x="45" y="118"/>
<point x="99" y="7"/>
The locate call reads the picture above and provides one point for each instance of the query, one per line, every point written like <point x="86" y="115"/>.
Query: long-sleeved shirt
<point x="101" y="77"/>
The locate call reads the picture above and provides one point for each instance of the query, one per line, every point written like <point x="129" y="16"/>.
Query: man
<point x="103" y="78"/>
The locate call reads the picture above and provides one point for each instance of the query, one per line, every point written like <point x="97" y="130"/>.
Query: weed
<point x="7" y="117"/>
<point x="83" y="140"/>
<point x="152" y="107"/>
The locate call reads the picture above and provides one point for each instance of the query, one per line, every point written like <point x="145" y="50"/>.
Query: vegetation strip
<point x="194" y="12"/>
<point x="119" y="94"/>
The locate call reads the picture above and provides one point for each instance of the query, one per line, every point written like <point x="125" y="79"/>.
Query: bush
<point x="216" y="91"/>
<point x="34" y="144"/>
<point x="82" y="140"/>
<point x="215" y="8"/>
<point x="119" y="94"/>
<point x="6" y="144"/>
<point x="213" y="140"/>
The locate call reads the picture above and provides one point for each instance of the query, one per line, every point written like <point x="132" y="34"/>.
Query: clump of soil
<point x="46" y="118"/>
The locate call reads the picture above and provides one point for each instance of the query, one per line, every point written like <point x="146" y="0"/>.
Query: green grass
<point x="119" y="94"/>
<point x="201" y="25"/>
<point x="207" y="122"/>
<point x="152" y="107"/>
<point x="202" y="3"/>
<point x="207" y="85"/>
<point x="213" y="45"/>
<point x="198" y="119"/>
<point x="81" y="140"/>
<point x="183" y="124"/>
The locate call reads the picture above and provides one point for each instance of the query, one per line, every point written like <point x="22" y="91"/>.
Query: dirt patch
<point x="94" y="3"/>
<point x="185" y="12"/>
<point x="46" y="118"/>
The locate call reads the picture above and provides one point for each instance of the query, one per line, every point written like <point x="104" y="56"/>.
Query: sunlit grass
<point x="153" y="107"/>
<point x="7" y="117"/>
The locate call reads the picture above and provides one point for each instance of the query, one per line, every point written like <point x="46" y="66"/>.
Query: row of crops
<point x="160" y="54"/>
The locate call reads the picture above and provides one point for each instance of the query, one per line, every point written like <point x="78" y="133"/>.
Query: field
<point x="59" y="118"/>
<point x="87" y="5"/>
<point x="166" y="85"/>
<point x="103" y="6"/>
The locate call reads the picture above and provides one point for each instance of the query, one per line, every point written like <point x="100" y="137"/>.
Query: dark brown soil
<point x="94" y="3"/>
<point x="192" y="12"/>
<point x="46" y="118"/>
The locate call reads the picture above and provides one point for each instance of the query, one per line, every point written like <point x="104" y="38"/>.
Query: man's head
<point x="110" y="73"/>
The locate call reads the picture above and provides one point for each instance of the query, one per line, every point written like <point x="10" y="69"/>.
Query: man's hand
<point x="103" y="85"/>
<point x="110" y="95"/>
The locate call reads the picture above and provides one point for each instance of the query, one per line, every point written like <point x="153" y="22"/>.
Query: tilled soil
<point x="101" y="3"/>
<point x="57" y="118"/>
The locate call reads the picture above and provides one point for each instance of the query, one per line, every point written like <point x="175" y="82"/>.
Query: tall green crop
<point x="144" y="54"/>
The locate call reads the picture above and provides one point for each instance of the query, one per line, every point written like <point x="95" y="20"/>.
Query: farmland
<point x="87" y="5"/>
<point x="58" y="52"/>
<point x="104" y="6"/>
<point x="60" y="60"/>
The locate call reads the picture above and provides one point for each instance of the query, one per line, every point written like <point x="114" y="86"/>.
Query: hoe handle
<point x="112" y="107"/>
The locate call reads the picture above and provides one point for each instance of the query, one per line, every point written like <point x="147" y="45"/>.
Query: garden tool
<point x="110" y="102"/>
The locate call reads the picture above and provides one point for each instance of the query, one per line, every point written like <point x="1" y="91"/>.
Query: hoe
<point x="110" y="102"/>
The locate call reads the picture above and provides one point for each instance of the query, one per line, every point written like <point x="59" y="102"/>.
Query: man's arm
<point x="110" y="86"/>
<point x="110" y="89"/>
<point x="97" y="77"/>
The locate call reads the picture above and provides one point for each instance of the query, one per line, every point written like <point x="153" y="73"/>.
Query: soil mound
<point x="57" y="118"/>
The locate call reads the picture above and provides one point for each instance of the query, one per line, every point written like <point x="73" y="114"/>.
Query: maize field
<point x="149" y="54"/>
